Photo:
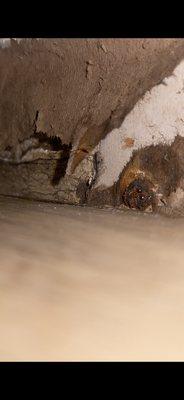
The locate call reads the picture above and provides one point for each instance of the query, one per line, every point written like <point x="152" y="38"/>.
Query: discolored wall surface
<point x="65" y="87"/>
<point x="104" y="99"/>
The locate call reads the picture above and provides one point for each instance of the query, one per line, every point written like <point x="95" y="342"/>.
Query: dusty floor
<point x="85" y="284"/>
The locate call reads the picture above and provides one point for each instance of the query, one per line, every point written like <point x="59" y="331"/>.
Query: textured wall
<point x="77" y="89"/>
<point x="116" y="105"/>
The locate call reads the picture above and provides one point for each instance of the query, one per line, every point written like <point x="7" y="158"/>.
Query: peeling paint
<point x="7" y="42"/>
<point x="157" y="118"/>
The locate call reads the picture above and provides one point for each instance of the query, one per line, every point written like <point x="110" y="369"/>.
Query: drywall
<point x="156" y="118"/>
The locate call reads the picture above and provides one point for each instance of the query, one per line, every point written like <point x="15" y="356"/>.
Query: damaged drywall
<point x="157" y="118"/>
<point x="155" y="126"/>
<point x="36" y="169"/>
<point x="115" y="111"/>
<point x="82" y="88"/>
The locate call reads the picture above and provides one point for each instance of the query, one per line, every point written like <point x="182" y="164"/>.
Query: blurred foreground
<point x="78" y="283"/>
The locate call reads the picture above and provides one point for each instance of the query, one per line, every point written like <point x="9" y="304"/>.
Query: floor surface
<point x="78" y="283"/>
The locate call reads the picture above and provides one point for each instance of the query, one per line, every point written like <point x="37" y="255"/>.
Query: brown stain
<point x="148" y="181"/>
<point x="87" y="143"/>
<point x="133" y="171"/>
<point x="151" y="175"/>
<point x="136" y="187"/>
<point x="79" y="155"/>
<point x="128" y="142"/>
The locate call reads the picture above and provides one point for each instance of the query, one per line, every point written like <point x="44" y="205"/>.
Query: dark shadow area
<point x="61" y="166"/>
<point x="55" y="144"/>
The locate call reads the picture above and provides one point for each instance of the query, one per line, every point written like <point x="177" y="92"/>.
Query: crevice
<point x="35" y="122"/>
<point x="54" y="142"/>
<point x="61" y="165"/>
<point x="41" y="147"/>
